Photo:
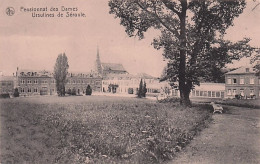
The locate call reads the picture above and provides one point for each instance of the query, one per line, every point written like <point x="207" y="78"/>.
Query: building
<point x="209" y="90"/>
<point x="105" y="69"/>
<point x="129" y="84"/>
<point x="31" y="82"/>
<point x="7" y="85"/>
<point x="243" y="81"/>
<point x="115" y="79"/>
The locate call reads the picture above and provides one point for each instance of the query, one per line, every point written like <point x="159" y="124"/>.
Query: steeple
<point x="98" y="63"/>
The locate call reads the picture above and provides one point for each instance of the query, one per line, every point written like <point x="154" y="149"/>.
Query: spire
<point x="98" y="63"/>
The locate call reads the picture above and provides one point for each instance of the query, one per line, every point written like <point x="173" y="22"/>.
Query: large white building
<point x="115" y="79"/>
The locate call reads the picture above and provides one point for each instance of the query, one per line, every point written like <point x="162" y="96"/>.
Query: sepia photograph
<point x="130" y="81"/>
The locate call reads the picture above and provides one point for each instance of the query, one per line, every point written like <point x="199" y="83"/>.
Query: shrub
<point x="69" y="91"/>
<point x="16" y="92"/>
<point x="88" y="90"/>
<point x="130" y="91"/>
<point x="238" y="96"/>
<point x="4" y="95"/>
<point x="73" y="91"/>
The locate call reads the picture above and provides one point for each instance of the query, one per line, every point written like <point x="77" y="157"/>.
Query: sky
<point x="34" y="43"/>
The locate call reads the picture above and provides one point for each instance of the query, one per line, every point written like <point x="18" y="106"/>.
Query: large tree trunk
<point x="184" y="89"/>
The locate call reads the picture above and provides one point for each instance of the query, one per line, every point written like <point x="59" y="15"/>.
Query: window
<point x="35" y="90"/>
<point x="229" y="81"/>
<point x="22" y="81"/>
<point x="222" y="94"/>
<point x="217" y="94"/>
<point x="234" y="91"/>
<point x="234" y="81"/>
<point x="35" y="81"/>
<point x="229" y="92"/>
<point x="3" y="83"/>
<point x="209" y="93"/>
<point x="29" y="90"/>
<point x="242" y="92"/>
<point x="213" y="94"/>
<point x="242" y="80"/>
<point x="252" y="80"/>
<point x="252" y="91"/>
<point x="22" y="90"/>
<point x="29" y="81"/>
<point x="9" y="83"/>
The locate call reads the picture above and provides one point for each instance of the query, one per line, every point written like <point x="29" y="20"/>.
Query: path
<point x="233" y="137"/>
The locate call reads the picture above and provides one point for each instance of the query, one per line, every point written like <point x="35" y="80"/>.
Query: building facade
<point x="242" y="81"/>
<point x="30" y="83"/>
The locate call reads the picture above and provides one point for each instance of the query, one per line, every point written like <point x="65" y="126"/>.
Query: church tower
<point x="98" y="63"/>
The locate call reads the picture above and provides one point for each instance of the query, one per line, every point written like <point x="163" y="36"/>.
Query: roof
<point x="210" y="87"/>
<point x="144" y="76"/>
<point x="243" y="70"/>
<point x="119" y="76"/>
<point x="37" y="73"/>
<point x="112" y="67"/>
<point x="7" y="78"/>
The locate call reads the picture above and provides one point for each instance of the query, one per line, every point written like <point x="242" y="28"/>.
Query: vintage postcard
<point x="129" y="81"/>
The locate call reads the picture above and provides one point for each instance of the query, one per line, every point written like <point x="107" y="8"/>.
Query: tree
<point x="73" y="92"/>
<point x="60" y="73"/>
<point x="69" y="91"/>
<point x="144" y="90"/>
<point x="88" y="90"/>
<point x="192" y="35"/>
<point x="16" y="92"/>
<point x="140" y="89"/>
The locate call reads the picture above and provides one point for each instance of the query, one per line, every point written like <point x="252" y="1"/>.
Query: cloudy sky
<point x="34" y="43"/>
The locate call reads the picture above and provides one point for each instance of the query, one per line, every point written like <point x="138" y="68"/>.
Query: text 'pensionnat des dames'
<point x="53" y="11"/>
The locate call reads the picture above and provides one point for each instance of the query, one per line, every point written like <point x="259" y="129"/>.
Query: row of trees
<point x="142" y="89"/>
<point x="74" y="91"/>
<point x="192" y="35"/>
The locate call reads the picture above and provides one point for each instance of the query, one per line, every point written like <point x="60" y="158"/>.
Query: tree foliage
<point x="60" y="73"/>
<point x="142" y="89"/>
<point x="88" y="90"/>
<point x="16" y="92"/>
<point x="191" y="35"/>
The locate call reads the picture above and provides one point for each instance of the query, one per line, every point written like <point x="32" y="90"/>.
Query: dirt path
<point x="233" y="137"/>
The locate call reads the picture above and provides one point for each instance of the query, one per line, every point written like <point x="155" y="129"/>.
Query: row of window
<point x="241" y="80"/>
<point x="35" y="81"/>
<point x="29" y="90"/>
<point x="234" y="92"/>
<point x="217" y="94"/>
<point x="82" y="82"/>
<point x="6" y="83"/>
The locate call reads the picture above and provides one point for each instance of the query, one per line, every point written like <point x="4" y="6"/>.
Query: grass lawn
<point x="95" y="129"/>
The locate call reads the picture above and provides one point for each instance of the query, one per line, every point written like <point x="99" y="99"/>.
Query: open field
<point x="95" y="129"/>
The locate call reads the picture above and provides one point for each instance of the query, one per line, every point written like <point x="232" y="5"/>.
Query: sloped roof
<point x="243" y="70"/>
<point x="25" y="72"/>
<point x="144" y="76"/>
<point x="113" y="67"/>
<point x="211" y="87"/>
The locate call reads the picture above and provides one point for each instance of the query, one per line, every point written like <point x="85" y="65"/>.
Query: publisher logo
<point x="10" y="11"/>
